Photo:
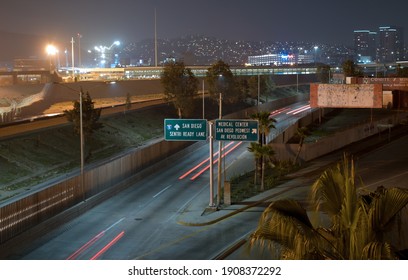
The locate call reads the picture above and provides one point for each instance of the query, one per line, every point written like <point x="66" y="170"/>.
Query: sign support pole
<point x="219" y="161"/>
<point x="211" y="166"/>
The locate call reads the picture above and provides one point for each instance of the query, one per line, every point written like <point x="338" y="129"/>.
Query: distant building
<point x="30" y="64"/>
<point x="365" y="46"/>
<point x="280" y="59"/>
<point x="390" y="44"/>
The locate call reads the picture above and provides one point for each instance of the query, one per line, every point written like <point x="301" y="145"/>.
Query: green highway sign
<point x="185" y="129"/>
<point x="236" y="130"/>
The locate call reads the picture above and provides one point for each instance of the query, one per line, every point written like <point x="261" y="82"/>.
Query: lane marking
<point x="162" y="191"/>
<point x="387" y="179"/>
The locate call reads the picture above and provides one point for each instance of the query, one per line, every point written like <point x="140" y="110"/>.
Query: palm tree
<point x="266" y="123"/>
<point x="266" y="152"/>
<point x="255" y="148"/>
<point x="358" y="226"/>
<point x="301" y="133"/>
<point x="261" y="153"/>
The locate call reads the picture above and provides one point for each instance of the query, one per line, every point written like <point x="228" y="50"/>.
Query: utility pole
<point x="81" y="135"/>
<point x="259" y="87"/>
<point x="155" y="39"/>
<point x="79" y="49"/>
<point x="203" y="100"/>
<point x="72" y="56"/>
<point x="297" y="82"/>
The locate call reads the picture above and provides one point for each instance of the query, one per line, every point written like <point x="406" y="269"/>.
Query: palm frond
<point x="378" y="251"/>
<point x="385" y="209"/>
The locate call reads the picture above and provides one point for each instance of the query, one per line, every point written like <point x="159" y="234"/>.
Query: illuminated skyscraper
<point x="365" y="46"/>
<point x="390" y="44"/>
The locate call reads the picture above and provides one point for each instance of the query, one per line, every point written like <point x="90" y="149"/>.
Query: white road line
<point x="114" y="225"/>
<point x="162" y="191"/>
<point x="387" y="179"/>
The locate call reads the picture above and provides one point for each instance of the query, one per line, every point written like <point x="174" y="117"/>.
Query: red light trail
<point x="201" y="163"/>
<point x="108" y="246"/>
<point x="215" y="161"/>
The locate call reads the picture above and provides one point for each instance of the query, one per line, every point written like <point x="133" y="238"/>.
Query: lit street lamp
<point x="315" y="51"/>
<point x="51" y="52"/>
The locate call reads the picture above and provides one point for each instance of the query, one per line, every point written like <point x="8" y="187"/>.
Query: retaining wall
<point x="325" y="145"/>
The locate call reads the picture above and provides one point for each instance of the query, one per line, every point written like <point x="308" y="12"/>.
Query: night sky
<point x="102" y="22"/>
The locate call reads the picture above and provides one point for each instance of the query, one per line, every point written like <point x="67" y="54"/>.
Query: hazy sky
<point x="104" y="21"/>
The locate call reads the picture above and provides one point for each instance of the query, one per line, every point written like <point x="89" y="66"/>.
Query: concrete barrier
<point x="325" y="145"/>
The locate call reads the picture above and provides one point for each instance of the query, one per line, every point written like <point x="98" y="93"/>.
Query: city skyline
<point x="259" y="20"/>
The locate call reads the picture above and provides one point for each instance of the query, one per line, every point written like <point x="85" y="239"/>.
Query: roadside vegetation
<point x="350" y="222"/>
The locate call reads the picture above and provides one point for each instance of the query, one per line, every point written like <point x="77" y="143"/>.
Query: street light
<point x="81" y="135"/>
<point x="79" y="50"/>
<point x="315" y="50"/>
<point x="51" y="51"/>
<point x="259" y="90"/>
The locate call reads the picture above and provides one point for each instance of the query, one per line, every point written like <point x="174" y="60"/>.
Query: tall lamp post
<point x="259" y="89"/>
<point x="203" y="101"/>
<point x="315" y="51"/>
<point x="79" y="49"/>
<point x="81" y="136"/>
<point x="51" y="51"/>
<point x="73" y="61"/>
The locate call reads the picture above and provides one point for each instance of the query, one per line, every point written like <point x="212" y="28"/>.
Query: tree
<point x="221" y="80"/>
<point x="180" y="86"/>
<point x="263" y="83"/>
<point x="360" y="226"/>
<point x="242" y="87"/>
<point x="266" y="123"/>
<point x="301" y="133"/>
<point x="402" y="71"/>
<point x="90" y="116"/>
<point x="323" y="73"/>
<point x="350" y="69"/>
<point x="128" y="103"/>
<point x="261" y="153"/>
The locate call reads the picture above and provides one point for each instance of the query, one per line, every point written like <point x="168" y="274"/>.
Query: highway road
<point x="387" y="166"/>
<point x="143" y="221"/>
<point x="146" y="220"/>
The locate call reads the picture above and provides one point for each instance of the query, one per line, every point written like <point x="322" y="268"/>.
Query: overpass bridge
<point x="27" y="77"/>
